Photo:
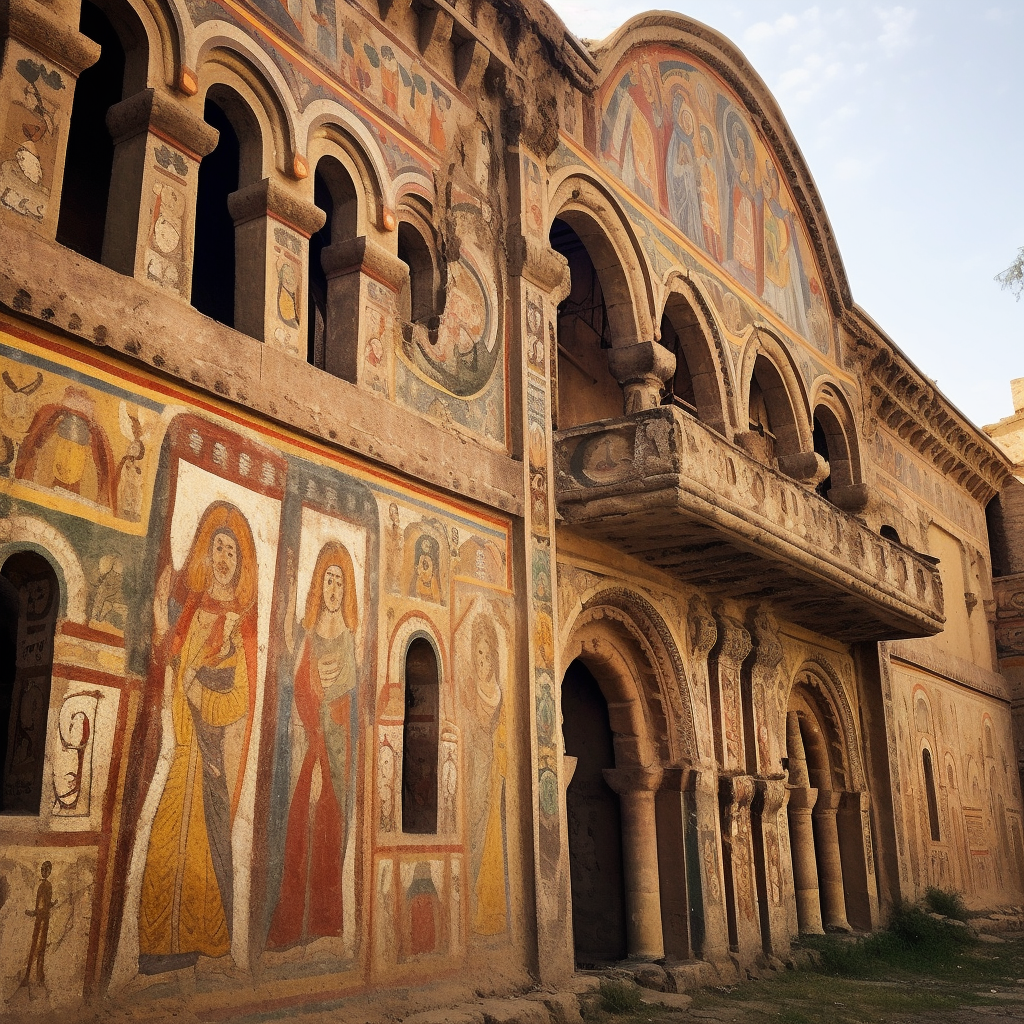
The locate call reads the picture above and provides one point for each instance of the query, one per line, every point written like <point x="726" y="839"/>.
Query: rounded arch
<point x="25" y="533"/>
<point x="769" y="363"/>
<point x="700" y="349"/>
<point x="142" y="41"/>
<point x="329" y="129"/>
<point x="821" y="689"/>
<point x="630" y="651"/>
<point x="832" y="410"/>
<point x="618" y="258"/>
<point x="224" y="61"/>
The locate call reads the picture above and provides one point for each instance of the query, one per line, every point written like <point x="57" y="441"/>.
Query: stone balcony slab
<point x="665" y="488"/>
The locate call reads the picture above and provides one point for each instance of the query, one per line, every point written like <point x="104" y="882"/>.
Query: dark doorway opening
<point x="595" y="827"/>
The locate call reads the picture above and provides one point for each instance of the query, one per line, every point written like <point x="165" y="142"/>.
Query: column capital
<point x="768" y="649"/>
<point x="267" y="198"/>
<point x="36" y="26"/>
<point x="641" y="369"/>
<point x="703" y="629"/>
<point x="633" y="780"/>
<point x="367" y="257"/>
<point x="156" y="111"/>
<point x="681" y="779"/>
<point x="770" y="796"/>
<point x="734" y="642"/>
<point x="536" y="260"/>
<point x="738" y="790"/>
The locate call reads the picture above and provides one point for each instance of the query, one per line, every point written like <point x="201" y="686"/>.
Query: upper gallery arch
<point x="694" y="133"/>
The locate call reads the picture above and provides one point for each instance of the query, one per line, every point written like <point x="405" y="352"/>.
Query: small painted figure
<point x="41" y="913"/>
<point x="424" y="583"/>
<point x="310" y="902"/>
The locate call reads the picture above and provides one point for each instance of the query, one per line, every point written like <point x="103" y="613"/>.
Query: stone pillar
<point x="538" y="282"/>
<point x="855" y="846"/>
<point x="735" y="793"/>
<point x="363" y="283"/>
<point x="641" y="370"/>
<point x="767" y="816"/>
<point x="801" y="831"/>
<point x="43" y="55"/>
<point x="734" y="644"/>
<point x="636" y="788"/>
<point x="830" y="865"/>
<point x="676" y="833"/>
<point x="272" y="229"/>
<point x="150" y="229"/>
<point x="715" y="944"/>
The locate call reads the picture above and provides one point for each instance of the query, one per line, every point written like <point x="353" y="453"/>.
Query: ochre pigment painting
<point x="680" y="141"/>
<point x="244" y="589"/>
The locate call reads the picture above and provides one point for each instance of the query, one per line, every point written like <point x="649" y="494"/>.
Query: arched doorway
<point x="594" y="822"/>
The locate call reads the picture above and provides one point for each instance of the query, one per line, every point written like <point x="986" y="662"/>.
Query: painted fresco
<point x="246" y="613"/>
<point x="683" y="146"/>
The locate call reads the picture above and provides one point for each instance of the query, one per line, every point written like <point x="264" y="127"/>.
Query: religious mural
<point x="245" y="611"/>
<point x="682" y="145"/>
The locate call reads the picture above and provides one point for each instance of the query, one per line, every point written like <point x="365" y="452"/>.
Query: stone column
<point x="272" y="230"/>
<point x="363" y="283"/>
<point x="715" y="944"/>
<point x="735" y="793"/>
<point x="150" y="229"/>
<point x="43" y="55"/>
<point x="636" y="788"/>
<point x="767" y="812"/>
<point x="676" y="832"/>
<point x="830" y="866"/>
<point x="641" y="370"/>
<point x="734" y="644"/>
<point x="801" y="831"/>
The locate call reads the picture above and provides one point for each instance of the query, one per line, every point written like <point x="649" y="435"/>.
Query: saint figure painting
<point x="204" y="648"/>
<point x="310" y="903"/>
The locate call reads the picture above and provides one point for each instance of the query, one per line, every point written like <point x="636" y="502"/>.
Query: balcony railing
<point x="663" y="487"/>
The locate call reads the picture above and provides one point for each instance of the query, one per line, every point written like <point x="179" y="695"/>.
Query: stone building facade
<point x="460" y="523"/>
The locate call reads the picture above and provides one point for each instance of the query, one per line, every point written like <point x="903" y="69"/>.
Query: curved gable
<point x="682" y="142"/>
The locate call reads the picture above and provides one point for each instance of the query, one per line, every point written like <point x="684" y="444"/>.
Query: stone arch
<point x="226" y="61"/>
<point x="618" y="257"/>
<point x="787" y="388"/>
<point x="332" y="131"/>
<point x="700" y="344"/>
<point x="636" y="657"/>
<point x="26" y="533"/>
<point x="142" y="33"/>
<point x="831" y="407"/>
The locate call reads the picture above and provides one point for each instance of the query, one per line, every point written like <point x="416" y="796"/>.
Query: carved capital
<point x="770" y="796"/>
<point x="734" y="643"/>
<point x="38" y="28"/>
<point x="267" y="197"/>
<point x="853" y="498"/>
<point x="703" y="630"/>
<point x="737" y="791"/>
<point x="539" y="263"/>
<point x="807" y="467"/>
<point x="151" y="110"/>
<point x="365" y="256"/>
<point x="768" y="651"/>
<point x="633" y="780"/>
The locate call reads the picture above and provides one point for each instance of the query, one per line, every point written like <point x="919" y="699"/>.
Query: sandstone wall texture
<point x="455" y="523"/>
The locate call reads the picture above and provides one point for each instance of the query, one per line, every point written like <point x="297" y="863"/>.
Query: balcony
<point x="667" y="489"/>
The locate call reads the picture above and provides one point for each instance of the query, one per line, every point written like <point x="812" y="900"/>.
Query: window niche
<point x="929" y="788"/>
<point x="89" y="162"/>
<point x="25" y="684"/>
<point x="420" y="739"/>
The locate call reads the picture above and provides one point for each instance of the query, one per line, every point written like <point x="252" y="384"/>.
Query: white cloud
<point x="762" y="31"/>
<point x="897" y="26"/>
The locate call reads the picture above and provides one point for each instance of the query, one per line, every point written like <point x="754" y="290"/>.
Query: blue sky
<point x="910" y="118"/>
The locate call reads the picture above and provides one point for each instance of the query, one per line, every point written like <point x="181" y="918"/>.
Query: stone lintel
<point x="365" y="256"/>
<point x="266" y="198"/>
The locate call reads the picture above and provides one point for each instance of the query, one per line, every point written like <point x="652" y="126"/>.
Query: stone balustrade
<point x="664" y="487"/>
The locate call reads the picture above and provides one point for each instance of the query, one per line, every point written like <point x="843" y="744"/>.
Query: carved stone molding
<point x="160" y="112"/>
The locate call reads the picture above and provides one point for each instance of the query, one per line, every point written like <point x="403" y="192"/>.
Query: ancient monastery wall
<point x="458" y="522"/>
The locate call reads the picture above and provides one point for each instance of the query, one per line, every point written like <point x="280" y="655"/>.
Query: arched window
<point x="335" y="194"/>
<point x="770" y="411"/>
<point x="929" y="789"/>
<point x="890" y="533"/>
<point x="90" y="153"/>
<point x="25" y="692"/>
<point x="821" y="447"/>
<point x="420" y="739"/>
<point x="417" y="301"/>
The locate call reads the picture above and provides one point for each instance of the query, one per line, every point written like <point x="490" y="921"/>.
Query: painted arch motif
<point x="681" y="142"/>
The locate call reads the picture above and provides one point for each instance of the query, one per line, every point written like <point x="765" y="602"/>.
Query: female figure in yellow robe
<point x="486" y="752"/>
<point x="205" y="649"/>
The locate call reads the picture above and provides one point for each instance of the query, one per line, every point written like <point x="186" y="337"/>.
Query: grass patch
<point x="619" y="998"/>
<point x="945" y="902"/>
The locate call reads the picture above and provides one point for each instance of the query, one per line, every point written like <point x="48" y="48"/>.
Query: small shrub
<point x="619" y="997"/>
<point x="945" y="902"/>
